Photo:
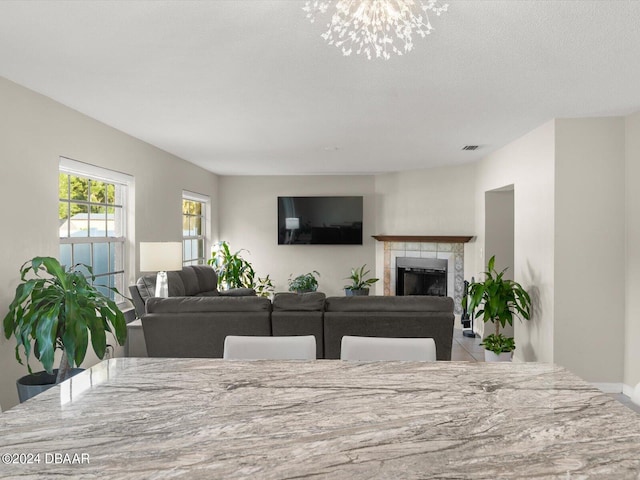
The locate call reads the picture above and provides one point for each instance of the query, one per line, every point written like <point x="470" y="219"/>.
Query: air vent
<point x="470" y="147"/>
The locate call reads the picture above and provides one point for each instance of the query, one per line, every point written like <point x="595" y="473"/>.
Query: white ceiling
<point x="249" y="87"/>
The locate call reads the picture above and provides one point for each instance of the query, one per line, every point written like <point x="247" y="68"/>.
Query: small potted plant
<point x="499" y="300"/>
<point x="306" y="282"/>
<point x="359" y="286"/>
<point x="59" y="309"/>
<point x="264" y="287"/>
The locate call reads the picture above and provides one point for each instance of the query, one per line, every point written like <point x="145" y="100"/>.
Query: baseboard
<point x="627" y="390"/>
<point x="609" y="387"/>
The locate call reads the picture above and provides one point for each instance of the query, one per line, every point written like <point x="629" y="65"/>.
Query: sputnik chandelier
<point x="375" y="28"/>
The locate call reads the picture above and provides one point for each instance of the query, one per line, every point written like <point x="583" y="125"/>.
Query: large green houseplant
<point x="233" y="270"/>
<point x="57" y="308"/>
<point x="237" y="272"/>
<point x="359" y="283"/>
<point x="499" y="300"/>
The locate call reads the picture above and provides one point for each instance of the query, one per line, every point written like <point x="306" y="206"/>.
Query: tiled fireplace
<point x="451" y="250"/>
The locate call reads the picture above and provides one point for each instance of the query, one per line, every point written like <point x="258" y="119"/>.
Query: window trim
<point x="69" y="166"/>
<point x="206" y="235"/>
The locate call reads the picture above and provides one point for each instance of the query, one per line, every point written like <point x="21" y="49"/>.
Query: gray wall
<point x="34" y="132"/>
<point x="590" y="247"/>
<point x="632" y="273"/>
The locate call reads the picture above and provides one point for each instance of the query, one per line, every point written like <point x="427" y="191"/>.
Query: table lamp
<point x="161" y="257"/>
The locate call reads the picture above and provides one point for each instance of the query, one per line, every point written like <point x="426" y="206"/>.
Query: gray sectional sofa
<point x="196" y="318"/>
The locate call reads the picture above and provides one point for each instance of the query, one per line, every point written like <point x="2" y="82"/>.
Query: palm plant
<point x="58" y="309"/>
<point x="233" y="270"/>
<point x="499" y="300"/>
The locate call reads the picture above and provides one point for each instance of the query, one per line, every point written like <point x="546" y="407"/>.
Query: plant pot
<point x="489" y="356"/>
<point x="35" y="383"/>
<point x="361" y="292"/>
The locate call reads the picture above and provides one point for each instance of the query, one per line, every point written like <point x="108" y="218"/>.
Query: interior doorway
<point x="499" y="228"/>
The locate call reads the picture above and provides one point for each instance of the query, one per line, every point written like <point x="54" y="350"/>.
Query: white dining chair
<point x="385" y="348"/>
<point x="302" y="347"/>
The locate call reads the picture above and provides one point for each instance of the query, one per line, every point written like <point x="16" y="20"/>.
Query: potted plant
<point x="233" y="270"/>
<point x="359" y="286"/>
<point x="58" y="309"/>
<point x="236" y="272"/>
<point x="499" y="300"/>
<point x="264" y="287"/>
<point x="307" y="282"/>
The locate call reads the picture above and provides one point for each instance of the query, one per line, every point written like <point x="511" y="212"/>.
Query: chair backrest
<point x="385" y="348"/>
<point x="300" y="347"/>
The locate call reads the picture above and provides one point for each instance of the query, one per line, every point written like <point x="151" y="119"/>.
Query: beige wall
<point x="589" y="248"/>
<point x="249" y="220"/>
<point x="34" y="132"/>
<point x="528" y="165"/>
<point x="436" y="201"/>
<point x="632" y="316"/>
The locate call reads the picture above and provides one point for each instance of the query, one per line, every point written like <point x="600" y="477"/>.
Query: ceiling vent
<point x="470" y="147"/>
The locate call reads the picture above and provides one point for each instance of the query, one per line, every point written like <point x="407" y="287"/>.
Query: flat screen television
<point x="320" y="220"/>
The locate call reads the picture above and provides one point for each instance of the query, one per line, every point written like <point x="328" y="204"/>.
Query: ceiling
<point x="249" y="87"/>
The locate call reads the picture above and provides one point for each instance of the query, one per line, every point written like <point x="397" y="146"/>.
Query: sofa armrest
<point x="138" y="301"/>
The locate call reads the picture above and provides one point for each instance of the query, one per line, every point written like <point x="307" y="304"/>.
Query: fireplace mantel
<point x="423" y="238"/>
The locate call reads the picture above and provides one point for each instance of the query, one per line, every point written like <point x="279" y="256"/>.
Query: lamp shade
<point x="160" y="256"/>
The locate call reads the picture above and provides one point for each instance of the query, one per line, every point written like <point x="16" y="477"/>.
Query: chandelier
<point x="375" y="28"/>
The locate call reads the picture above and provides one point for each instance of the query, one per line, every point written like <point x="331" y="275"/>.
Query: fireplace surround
<point x="450" y="249"/>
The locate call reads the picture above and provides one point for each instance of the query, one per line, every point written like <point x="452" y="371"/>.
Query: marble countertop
<point x="134" y="418"/>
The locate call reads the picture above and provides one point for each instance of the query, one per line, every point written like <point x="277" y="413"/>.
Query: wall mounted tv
<point x="319" y="220"/>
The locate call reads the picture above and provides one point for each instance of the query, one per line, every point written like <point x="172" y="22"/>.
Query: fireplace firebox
<point x="421" y="276"/>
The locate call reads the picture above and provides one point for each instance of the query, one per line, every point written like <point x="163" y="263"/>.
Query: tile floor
<point x="468" y="349"/>
<point x="465" y="349"/>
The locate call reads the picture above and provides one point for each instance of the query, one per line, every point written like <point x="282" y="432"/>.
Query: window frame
<point x="205" y="230"/>
<point x="121" y="180"/>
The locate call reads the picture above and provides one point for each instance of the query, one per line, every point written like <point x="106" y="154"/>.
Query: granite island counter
<point x="131" y="418"/>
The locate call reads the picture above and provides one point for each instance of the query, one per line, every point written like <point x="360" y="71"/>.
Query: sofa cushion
<point x="389" y="304"/>
<point x="238" y="292"/>
<point x="299" y="302"/>
<point x="208" y="304"/>
<point x="207" y="278"/>
<point x="211" y="293"/>
<point x="190" y="281"/>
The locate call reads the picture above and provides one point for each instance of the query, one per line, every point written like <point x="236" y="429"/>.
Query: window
<point x="194" y="228"/>
<point x="92" y="222"/>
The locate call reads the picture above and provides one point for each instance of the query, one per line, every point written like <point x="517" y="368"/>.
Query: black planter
<point x="35" y="383"/>
<point x="363" y="292"/>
